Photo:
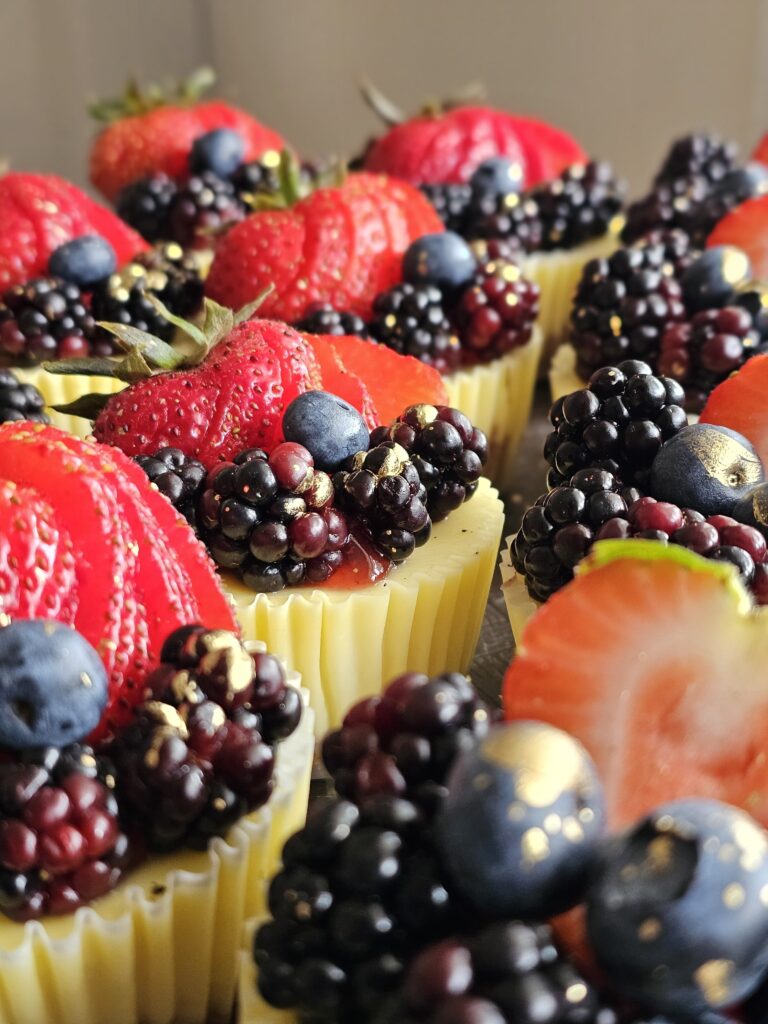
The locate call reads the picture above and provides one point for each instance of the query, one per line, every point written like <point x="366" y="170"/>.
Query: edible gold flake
<point x="546" y="764"/>
<point x="713" y="978"/>
<point x="649" y="929"/>
<point x="734" y="896"/>
<point x="534" y="846"/>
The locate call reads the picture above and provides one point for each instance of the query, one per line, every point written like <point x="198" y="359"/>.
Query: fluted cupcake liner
<point x="557" y="274"/>
<point x="563" y="376"/>
<point x="59" y="389"/>
<point x="165" y="945"/>
<point x="424" y="616"/>
<point x="520" y="605"/>
<point x="497" y="398"/>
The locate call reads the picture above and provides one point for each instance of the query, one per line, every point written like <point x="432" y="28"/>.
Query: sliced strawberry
<point x="740" y="403"/>
<point x="656" y="661"/>
<point x="746" y="227"/>
<point x="338" y="380"/>
<point x="393" y="381"/>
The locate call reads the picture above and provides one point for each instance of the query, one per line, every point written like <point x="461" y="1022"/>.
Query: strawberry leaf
<point x="247" y="311"/>
<point x="90" y="366"/>
<point x="87" y="406"/>
<point x="380" y="104"/>
<point x="191" y="330"/>
<point x="131" y="339"/>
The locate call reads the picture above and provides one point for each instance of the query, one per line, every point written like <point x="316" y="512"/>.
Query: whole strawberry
<point x="341" y="245"/>
<point x="39" y="213"/>
<point x="148" y="132"/>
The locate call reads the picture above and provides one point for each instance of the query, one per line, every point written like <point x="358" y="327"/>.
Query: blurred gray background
<point x="623" y="76"/>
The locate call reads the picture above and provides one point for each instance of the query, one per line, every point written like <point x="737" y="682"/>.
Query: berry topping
<point x="444" y="260"/>
<point x="499" y="175"/>
<point x="221" y="151"/>
<point x="201" y="208"/>
<point x="713" y="277"/>
<point x="84" y="261"/>
<point x="699" y="155"/>
<point x="46" y="318"/>
<point x="178" y="477"/>
<point x="20" y="401"/>
<point x="496" y="831"/>
<point x="322" y="318"/>
<point x="53" y="687"/>
<point x="329" y="428"/>
<point x="450" y="203"/>
<point x="497" y="312"/>
<point x="271" y="518"/>
<point x="411" y="319"/>
<point x="145" y="204"/>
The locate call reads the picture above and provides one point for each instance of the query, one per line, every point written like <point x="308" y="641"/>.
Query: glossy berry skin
<point x="324" y="319"/>
<point x="443" y="259"/>
<point x="203" y="206"/>
<point x="702" y="154"/>
<point x="521" y="825"/>
<point x="705" y="467"/>
<point x="412" y="320"/>
<point x="221" y="151"/>
<point x="498" y="175"/>
<point x="47" y="318"/>
<point x="667" y="896"/>
<point x="496" y="313"/>
<point x="145" y="203"/>
<point x="179" y="478"/>
<point x="329" y="428"/>
<point x="53" y="687"/>
<point x="84" y="261"/>
<point x="711" y="280"/>
<point x="752" y="509"/>
<point x="20" y="401"/>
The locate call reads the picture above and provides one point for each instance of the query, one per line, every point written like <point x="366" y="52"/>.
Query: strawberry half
<point x="656" y="660"/>
<point x="740" y="403"/>
<point x="746" y="227"/>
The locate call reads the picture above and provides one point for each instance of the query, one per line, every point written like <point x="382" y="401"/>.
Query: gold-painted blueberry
<point x="444" y="260"/>
<point x="84" y="261"/>
<point x="711" y="280"/>
<point x="328" y="427"/>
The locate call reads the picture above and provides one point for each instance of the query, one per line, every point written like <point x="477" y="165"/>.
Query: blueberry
<point x="84" y="261"/>
<point x="53" y="687"/>
<point x="329" y="428"/>
<point x="521" y="823"/>
<point x="705" y="467"/>
<point x="711" y="280"/>
<point x="443" y="259"/>
<point x="677" y="915"/>
<point x="221" y="151"/>
<point x="497" y="175"/>
<point x="744" y="182"/>
<point x="752" y="509"/>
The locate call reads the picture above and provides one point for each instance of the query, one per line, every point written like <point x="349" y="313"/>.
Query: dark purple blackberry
<point x="271" y="519"/>
<point x="145" y="204"/>
<point x="450" y="203"/>
<point x="412" y="320"/>
<point x="508" y="972"/>
<point x="199" y="753"/>
<point x="448" y="452"/>
<point x="675" y="205"/>
<point x="255" y="178"/>
<point x="165" y="272"/>
<point x="700" y="353"/>
<point x="382" y="489"/>
<point x="697" y="155"/>
<point x="61" y="845"/>
<point x="322" y="318"/>
<point x="47" y="318"/>
<point x="496" y="313"/>
<point x="403" y="743"/>
<point x="622" y="307"/>
<point x="20" y="401"/>
<point x="203" y="206"/>
<point x="578" y="206"/>
<point x="177" y="476"/>
<point x="361" y="892"/>
<point x="512" y="216"/>
<point x="616" y="423"/>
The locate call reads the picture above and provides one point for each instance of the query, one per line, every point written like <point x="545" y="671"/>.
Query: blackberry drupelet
<point x="47" y="318"/>
<point x="61" y="845"/>
<point x="255" y="178"/>
<point x="271" y="519"/>
<point x="322" y="318"/>
<point x="448" y="452"/>
<point x="360" y="893"/>
<point x="403" y="743"/>
<point x="450" y="203"/>
<point x="616" y="423"/>
<point x="412" y="320"/>
<point x="164" y="272"/>
<point x="697" y="155"/>
<point x="512" y="216"/>
<point x="145" y="204"/>
<point x="177" y="476"/>
<point x="707" y="349"/>
<point x="496" y="313"/>
<point x="578" y="206"/>
<point x="20" y="401"/>
<point x="203" y="206"/>
<point x="623" y="305"/>
<point x="677" y="205"/>
<point x="382" y="489"/>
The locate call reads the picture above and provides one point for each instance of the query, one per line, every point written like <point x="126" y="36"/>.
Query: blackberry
<point x="707" y="349"/>
<point x="381" y="488"/>
<point x="698" y="155"/>
<point x="61" y="845"/>
<point x="403" y="743"/>
<point x="623" y="305"/>
<point x="322" y="318"/>
<point x="47" y="318"/>
<point x="450" y="203"/>
<point x="577" y="206"/>
<point x="199" y="753"/>
<point x="616" y="423"/>
<point x="203" y="206"/>
<point x="164" y="272"/>
<point x="360" y="892"/>
<point x="20" y="401"/>
<point x="731" y="191"/>
<point x="257" y="177"/>
<point x="496" y="313"/>
<point x="448" y="452"/>
<point x="511" y="216"/>
<point x="177" y="476"/>
<point x="271" y="519"/>
<point x="674" y="205"/>
<point x="411" y="319"/>
<point x="145" y="204"/>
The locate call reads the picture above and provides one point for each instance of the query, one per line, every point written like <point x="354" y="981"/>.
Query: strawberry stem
<point x="391" y="114"/>
<point x="137" y="100"/>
